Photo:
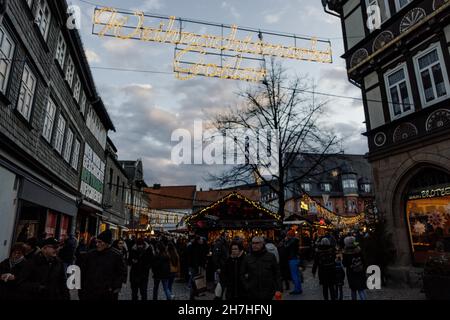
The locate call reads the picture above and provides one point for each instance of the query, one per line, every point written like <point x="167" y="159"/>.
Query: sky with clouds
<point x="147" y="107"/>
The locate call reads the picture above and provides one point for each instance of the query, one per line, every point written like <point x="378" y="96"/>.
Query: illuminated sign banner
<point x="241" y="56"/>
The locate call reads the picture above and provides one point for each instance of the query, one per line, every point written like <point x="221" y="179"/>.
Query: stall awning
<point x="46" y="197"/>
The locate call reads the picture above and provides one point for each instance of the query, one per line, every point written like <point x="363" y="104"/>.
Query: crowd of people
<point x="37" y="269"/>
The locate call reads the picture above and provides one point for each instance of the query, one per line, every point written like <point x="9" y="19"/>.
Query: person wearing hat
<point x="292" y="248"/>
<point x="31" y="248"/>
<point x="353" y="262"/>
<point x="10" y="270"/>
<point x="43" y="276"/>
<point x="324" y="260"/>
<point x="103" y="271"/>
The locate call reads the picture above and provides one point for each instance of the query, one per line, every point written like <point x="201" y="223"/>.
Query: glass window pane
<point x="396" y="77"/>
<point x="404" y="96"/>
<point x="439" y="80"/>
<point x="427" y="86"/>
<point x="395" y="101"/>
<point x="428" y="59"/>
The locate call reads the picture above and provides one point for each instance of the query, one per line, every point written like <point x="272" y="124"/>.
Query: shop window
<point x="429" y="227"/>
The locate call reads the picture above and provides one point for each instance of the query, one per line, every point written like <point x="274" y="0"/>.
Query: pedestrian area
<point x="311" y="291"/>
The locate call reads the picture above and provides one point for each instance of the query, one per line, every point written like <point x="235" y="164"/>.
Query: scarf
<point x="12" y="263"/>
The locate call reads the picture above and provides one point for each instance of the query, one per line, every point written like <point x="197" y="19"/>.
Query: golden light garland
<point x="335" y="219"/>
<point x="237" y="195"/>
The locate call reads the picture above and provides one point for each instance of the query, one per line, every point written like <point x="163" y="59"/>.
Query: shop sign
<point x="430" y="193"/>
<point x="92" y="175"/>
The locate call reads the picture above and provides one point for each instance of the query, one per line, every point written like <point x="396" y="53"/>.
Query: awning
<point x="47" y="197"/>
<point x="296" y="222"/>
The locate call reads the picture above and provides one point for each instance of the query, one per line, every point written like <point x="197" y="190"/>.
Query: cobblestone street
<point x="311" y="291"/>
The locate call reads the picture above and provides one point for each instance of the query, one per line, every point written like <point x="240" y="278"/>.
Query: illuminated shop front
<point x="428" y="217"/>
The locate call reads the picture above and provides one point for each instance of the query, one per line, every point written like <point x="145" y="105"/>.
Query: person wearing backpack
<point x="324" y="260"/>
<point x="354" y="263"/>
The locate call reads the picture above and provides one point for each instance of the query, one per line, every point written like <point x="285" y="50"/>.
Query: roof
<point x="171" y="197"/>
<point x="330" y="170"/>
<point x="205" y="198"/>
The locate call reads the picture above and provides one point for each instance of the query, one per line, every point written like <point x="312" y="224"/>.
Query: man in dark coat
<point x="325" y="261"/>
<point x="196" y="260"/>
<point x="10" y="271"/>
<point x="140" y="260"/>
<point x="43" y="276"/>
<point x="260" y="272"/>
<point x="103" y="271"/>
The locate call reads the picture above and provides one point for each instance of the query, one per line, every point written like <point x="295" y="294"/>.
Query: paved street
<point x="311" y="291"/>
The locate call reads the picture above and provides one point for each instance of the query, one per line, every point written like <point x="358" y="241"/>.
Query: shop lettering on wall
<point x="92" y="175"/>
<point x="431" y="193"/>
<point x="235" y="49"/>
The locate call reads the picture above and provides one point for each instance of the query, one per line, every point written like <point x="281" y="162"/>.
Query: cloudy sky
<point x="147" y="107"/>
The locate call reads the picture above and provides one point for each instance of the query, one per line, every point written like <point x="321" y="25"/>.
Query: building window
<point x="7" y="47"/>
<point x="384" y="9"/>
<point x="43" y="17"/>
<point x="306" y="187"/>
<point x="83" y="103"/>
<point x="366" y="188"/>
<point x="60" y="129"/>
<point x="70" y="70"/>
<point x="349" y="183"/>
<point x="123" y="191"/>
<point x="431" y="75"/>
<point x="111" y="173"/>
<point x="399" y="92"/>
<point x="329" y="205"/>
<point x="326" y="187"/>
<point x="27" y="89"/>
<point x="117" y="186"/>
<point x="49" y="120"/>
<point x="61" y="50"/>
<point x="68" y="147"/>
<point x="77" y="88"/>
<point x="400" y="4"/>
<point x="76" y="154"/>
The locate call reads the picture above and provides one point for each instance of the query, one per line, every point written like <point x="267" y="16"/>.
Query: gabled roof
<point x="205" y="198"/>
<point x="171" y="197"/>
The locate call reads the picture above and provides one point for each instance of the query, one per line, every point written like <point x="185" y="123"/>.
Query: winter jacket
<point x="8" y="290"/>
<point x="220" y="253"/>
<point x="232" y="283"/>
<point x="196" y="255"/>
<point x="270" y="247"/>
<point x="292" y="248"/>
<point x="140" y="261"/>
<point x="261" y="275"/>
<point x="102" y="272"/>
<point x="161" y="267"/>
<point x="43" y="279"/>
<point x="353" y="261"/>
<point x="324" y="260"/>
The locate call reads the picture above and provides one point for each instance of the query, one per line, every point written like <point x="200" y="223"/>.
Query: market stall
<point x="236" y="214"/>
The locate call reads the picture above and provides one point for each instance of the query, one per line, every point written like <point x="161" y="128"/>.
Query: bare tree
<point x="286" y="108"/>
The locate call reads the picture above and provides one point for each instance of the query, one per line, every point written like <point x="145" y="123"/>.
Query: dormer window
<point x="349" y="184"/>
<point x="366" y="187"/>
<point x="326" y="187"/>
<point x="306" y="186"/>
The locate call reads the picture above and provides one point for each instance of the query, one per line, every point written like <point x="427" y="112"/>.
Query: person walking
<point x="175" y="269"/>
<point x="102" y="272"/>
<point x="43" y="277"/>
<point x="353" y="262"/>
<point x="161" y="271"/>
<point x="196" y="261"/>
<point x="260" y="273"/>
<point x="340" y="277"/>
<point x="140" y="260"/>
<point x="292" y="250"/>
<point x="232" y="284"/>
<point x="324" y="261"/>
<point x="10" y="271"/>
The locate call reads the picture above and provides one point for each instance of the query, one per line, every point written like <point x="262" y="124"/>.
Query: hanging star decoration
<point x="419" y="228"/>
<point x="437" y="220"/>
